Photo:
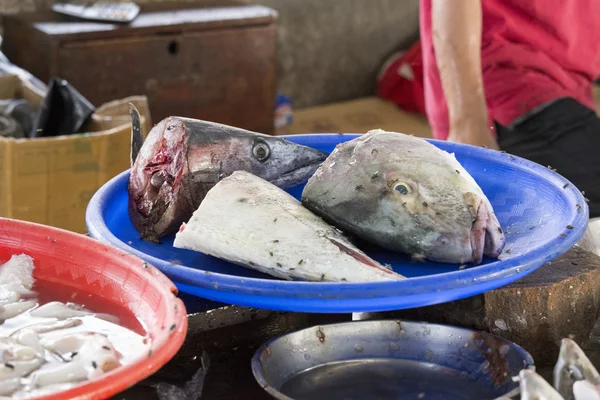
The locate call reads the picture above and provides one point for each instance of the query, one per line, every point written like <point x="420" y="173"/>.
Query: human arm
<point x="456" y="35"/>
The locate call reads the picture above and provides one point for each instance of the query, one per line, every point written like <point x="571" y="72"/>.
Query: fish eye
<point x="402" y="188"/>
<point x="261" y="151"/>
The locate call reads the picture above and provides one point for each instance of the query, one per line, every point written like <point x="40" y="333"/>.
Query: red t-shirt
<point x="533" y="51"/>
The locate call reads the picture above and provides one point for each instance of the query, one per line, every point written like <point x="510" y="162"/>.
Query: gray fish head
<point x="404" y="194"/>
<point x="183" y="158"/>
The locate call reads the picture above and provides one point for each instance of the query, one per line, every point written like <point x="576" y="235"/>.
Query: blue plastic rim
<point x="542" y="214"/>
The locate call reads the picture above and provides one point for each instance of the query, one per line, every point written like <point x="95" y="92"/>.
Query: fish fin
<point x="533" y="386"/>
<point x="136" y="133"/>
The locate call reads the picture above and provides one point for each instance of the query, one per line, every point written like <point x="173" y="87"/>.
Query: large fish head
<point x="406" y="194"/>
<point x="183" y="158"/>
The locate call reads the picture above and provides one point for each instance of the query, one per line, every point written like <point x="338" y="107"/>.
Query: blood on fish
<point x="357" y="256"/>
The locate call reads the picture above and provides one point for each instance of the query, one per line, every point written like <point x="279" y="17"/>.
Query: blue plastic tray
<point x="534" y="206"/>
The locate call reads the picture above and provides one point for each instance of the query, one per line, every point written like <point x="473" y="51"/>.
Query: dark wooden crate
<point x="199" y="60"/>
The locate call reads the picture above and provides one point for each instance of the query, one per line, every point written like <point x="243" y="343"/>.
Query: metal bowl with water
<point x="389" y="359"/>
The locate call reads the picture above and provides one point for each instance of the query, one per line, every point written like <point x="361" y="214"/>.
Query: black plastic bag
<point x="192" y="390"/>
<point x="62" y="112"/>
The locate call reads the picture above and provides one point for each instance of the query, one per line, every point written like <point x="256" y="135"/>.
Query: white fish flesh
<point x="248" y="221"/>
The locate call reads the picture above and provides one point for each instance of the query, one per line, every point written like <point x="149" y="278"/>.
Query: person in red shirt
<point x="517" y="75"/>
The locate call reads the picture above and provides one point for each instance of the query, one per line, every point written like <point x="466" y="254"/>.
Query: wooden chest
<point x="214" y="62"/>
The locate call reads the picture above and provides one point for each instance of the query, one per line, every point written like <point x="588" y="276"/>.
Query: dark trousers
<point x="566" y="136"/>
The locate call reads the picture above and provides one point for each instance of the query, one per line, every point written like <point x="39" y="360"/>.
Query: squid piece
<point x="109" y="318"/>
<point x="11" y="351"/>
<point x="13" y="292"/>
<point x="13" y="309"/>
<point x="29" y="335"/>
<point x="572" y="366"/>
<point x="58" y="310"/>
<point x="8" y="296"/>
<point x="9" y="386"/>
<point x="18" y="369"/>
<point x="18" y="271"/>
<point x="17" y="360"/>
<point x="534" y="387"/>
<point x="61" y="311"/>
<point x="92" y="355"/>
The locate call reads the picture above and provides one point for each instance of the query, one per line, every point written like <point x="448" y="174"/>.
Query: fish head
<point x="183" y="158"/>
<point x="408" y="195"/>
<point x="437" y="209"/>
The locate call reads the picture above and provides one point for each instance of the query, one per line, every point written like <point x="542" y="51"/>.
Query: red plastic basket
<point x="117" y="280"/>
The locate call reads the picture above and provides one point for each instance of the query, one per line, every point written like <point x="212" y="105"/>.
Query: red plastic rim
<point x="119" y="278"/>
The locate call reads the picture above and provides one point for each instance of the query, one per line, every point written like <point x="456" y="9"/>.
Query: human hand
<point x="477" y="136"/>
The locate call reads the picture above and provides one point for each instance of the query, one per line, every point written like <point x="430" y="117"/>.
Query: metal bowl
<point x="389" y="359"/>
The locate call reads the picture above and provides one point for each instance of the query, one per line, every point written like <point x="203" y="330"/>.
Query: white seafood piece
<point x="8" y="296"/>
<point x="18" y="270"/>
<point x="65" y="344"/>
<point x="573" y="365"/>
<point x="11" y="292"/>
<point x="30" y="339"/>
<point x="25" y="393"/>
<point x="29" y="335"/>
<point x="61" y="311"/>
<point x="534" y="387"/>
<point x="251" y="222"/>
<point x="108" y="318"/>
<point x="17" y="369"/>
<point x="12" y="351"/>
<point x="17" y="360"/>
<point x="13" y="309"/>
<point x="94" y="356"/>
<point x="585" y="390"/>
<point x="58" y="310"/>
<point x="9" y="386"/>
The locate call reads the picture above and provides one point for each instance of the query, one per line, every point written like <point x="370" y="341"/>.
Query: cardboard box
<point x="51" y="180"/>
<point x="357" y="116"/>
